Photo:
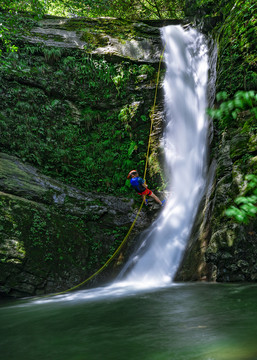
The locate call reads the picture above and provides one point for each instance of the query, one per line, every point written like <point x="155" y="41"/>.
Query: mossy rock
<point x="239" y="145"/>
<point x="52" y="234"/>
<point x="107" y="37"/>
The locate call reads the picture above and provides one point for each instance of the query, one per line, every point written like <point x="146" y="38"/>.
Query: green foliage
<point x="132" y="9"/>
<point x="63" y="113"/>
<point x="246" y="203"/>
<point x="117" y="235"/>
<point x="66" y="112"/>
<point x="236" y="113"/>
<point x="237" y="52"/>
<point x="34" y="6"/>
<point x="119" y="80"/>
<point x="12" y="24"/>
<point x="52" y="54"/>
<point x="5" y="40"/>
<point x="150" y="9"/>
<point x="240" y="112"/>
<point x="205" y="8"/>
<point x="146" y="70"/>
<point x="229" y="112"/>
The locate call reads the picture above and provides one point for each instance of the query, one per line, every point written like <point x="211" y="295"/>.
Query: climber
<point x="141" y="187"/>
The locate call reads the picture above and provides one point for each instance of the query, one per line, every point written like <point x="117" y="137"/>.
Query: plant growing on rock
<point x="240" y="113"/>
<point x="247" y="203"/>
<point x="230" y="109"/>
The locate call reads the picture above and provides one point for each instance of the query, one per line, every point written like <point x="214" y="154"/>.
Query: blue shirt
<point x="136" y="183"/>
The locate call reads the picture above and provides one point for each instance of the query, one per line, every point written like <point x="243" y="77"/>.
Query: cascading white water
<point x="185" y="87"/>
<point x="158" y="257"/>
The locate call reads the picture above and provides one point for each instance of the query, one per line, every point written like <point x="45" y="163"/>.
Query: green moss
<point x="120" y="29"/>
<point x="94" y="40"/>
<point x="48" y="241"/>
<point x="237" y="59"/>
<point x="12" y="176"/>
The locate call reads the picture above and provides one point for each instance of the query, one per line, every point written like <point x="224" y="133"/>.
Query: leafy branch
<point x="246" y="205"/>
<point x="229" y="109"/>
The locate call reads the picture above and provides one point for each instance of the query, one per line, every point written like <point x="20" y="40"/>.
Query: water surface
<point x="179" y="322"/>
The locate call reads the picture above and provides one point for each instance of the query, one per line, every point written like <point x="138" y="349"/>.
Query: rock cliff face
<point x="220" y="249"/>
<point x="59" y="114"/>
<point x="53" y="236"/>
<point x="232" y="248"/>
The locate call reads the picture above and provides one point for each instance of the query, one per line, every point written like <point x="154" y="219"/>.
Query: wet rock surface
<point x="53" y="236"/>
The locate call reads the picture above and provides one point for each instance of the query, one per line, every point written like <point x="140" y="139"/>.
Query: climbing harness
<point x="140" y="208"/>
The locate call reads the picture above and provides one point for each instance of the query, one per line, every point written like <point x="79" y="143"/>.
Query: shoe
<point x="163" y="202"/>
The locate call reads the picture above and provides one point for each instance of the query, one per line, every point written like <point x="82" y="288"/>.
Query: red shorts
<point x="146" y="192"/>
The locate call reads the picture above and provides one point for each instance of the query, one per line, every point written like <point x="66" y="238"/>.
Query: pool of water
<point x="179" y="322"/>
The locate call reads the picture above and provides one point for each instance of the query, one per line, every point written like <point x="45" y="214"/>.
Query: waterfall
<point x="185" y="87"/>
<point x="156" y="261"/>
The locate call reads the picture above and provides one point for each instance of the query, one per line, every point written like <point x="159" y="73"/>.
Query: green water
<point x="181" y="322"/>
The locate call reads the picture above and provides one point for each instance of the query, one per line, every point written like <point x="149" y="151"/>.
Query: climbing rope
<point x="140" y="208"/>
<point x="152" y="112"/>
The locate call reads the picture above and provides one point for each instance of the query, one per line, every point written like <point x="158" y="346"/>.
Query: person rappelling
<point x="141" y="187"/>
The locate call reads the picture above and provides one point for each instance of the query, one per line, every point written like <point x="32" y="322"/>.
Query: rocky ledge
<point x="100" y="36"/>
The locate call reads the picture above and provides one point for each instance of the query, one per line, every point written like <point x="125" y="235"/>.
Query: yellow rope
<point x="109" y="260"/>
<point x="139" y="210"/>
<point x="152" y="112"/>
